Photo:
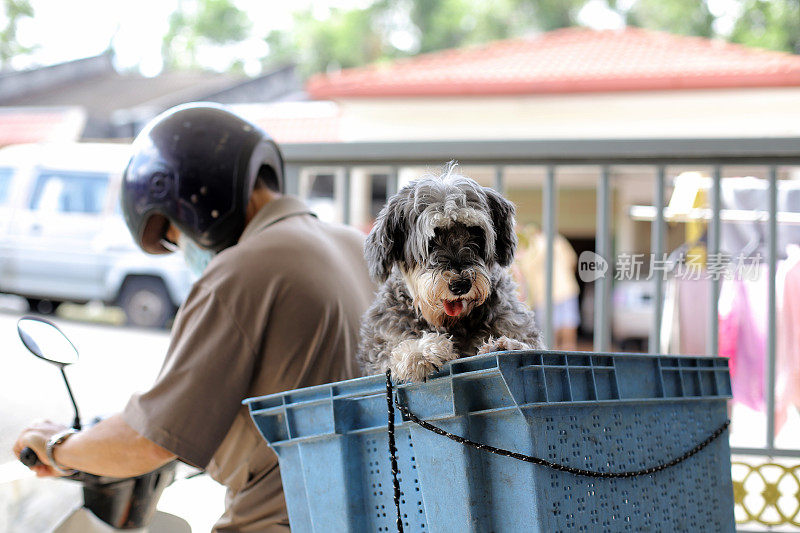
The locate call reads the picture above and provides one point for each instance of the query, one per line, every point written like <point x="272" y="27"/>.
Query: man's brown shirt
<point x="278" y="311"/>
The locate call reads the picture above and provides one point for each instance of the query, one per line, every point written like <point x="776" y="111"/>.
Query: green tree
<point x="773" y="24"/>
<point x="546" y="15"/>
<point x="359" y="36"/>
<point x="282" y="49"/>
<point x="683" y="17"/>
<point x="347" y="38"/>
<point x="13" y="11"/>
<point x="199" y="23"/>
<point x="444" y="24"/>
<point x="441" y="24"/>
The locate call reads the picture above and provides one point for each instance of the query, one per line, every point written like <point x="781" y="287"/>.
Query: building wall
<point x="671" y="114"/>
<point x="575" y="211"/>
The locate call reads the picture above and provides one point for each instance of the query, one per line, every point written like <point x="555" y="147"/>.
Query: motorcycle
<point x="109" y="504"/>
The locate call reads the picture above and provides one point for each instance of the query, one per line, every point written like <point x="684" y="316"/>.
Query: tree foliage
<point x="684" y="17"/>
<point x="389" y="29"/>
<point x="202" y="23"/>
<point x="443" y="24"/>
<point x="347" y="38"/>
<point x="13" y="12"/>
<point x="551" y="14"/>
<point x="360" y="36"/>
<point x="773" y="24"/>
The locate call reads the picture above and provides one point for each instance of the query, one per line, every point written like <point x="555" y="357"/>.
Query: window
<point x="380" y="185"/>
<point x="5" y="183"/>
<point x="66" y="192"/>
<point x="322" y="186"/>
<point x="321" y="197"/>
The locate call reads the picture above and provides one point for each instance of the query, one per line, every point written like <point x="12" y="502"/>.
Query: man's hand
<point x="109" y="448"/>
<point x="35" y="437"/>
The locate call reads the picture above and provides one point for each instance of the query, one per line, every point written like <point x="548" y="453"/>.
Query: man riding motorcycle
<point x="276" y="307"/>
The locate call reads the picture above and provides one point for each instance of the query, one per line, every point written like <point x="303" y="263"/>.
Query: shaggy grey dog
<point x="440" y="249"/>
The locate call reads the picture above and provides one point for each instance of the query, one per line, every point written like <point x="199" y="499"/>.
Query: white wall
<point x="665" y="114"/>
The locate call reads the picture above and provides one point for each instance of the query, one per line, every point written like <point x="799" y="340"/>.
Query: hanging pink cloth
<point x="743" y="337"/>
<point x="729" y="316"/>
<point x="787" y="357"/>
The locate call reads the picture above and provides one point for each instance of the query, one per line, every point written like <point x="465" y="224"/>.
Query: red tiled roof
<point x="20" y="125"/>
<point x="571" y="60"/>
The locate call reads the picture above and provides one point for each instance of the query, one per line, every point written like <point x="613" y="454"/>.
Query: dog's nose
<point x="460" y="286"/>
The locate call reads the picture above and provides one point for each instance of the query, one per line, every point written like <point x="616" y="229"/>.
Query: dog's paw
<point x="501" y="344"/>
<point x="416" y="359"/>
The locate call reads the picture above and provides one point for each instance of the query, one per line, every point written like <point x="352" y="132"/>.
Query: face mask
<point x="197" y="258"/>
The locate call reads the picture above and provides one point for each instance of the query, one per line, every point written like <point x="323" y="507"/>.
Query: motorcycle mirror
<point x="44" y="340"/>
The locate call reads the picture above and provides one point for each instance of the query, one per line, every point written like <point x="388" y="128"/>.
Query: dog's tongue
<point x="453" y="308"/>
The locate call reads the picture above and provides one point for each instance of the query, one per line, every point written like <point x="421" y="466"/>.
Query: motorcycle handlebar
<point x="120" y="502"/>
<point x="29" y="458"/>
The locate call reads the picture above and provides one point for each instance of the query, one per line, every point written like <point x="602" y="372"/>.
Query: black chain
<point x="514" y="455"/>
<point x="393" y="450"/>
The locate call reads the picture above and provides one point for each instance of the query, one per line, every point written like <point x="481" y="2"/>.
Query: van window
<point x="5" y="183"/>
<point x="67" y="192"/>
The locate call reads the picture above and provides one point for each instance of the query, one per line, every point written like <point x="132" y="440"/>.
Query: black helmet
<point x="195" y="166"/>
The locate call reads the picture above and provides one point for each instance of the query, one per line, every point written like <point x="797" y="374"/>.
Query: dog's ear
<point x="502" y="212"/>
<point x="384" y="244"/>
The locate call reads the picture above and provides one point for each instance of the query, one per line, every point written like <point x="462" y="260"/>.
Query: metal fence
<point x="605" y="155"/>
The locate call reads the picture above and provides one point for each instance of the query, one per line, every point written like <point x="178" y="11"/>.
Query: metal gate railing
<point x="606" y="155"/>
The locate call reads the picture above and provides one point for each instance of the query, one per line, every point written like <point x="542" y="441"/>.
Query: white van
<point x="63" y="238"/>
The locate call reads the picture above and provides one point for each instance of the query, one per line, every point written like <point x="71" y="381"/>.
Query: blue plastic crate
<point x="603" y="412"/>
